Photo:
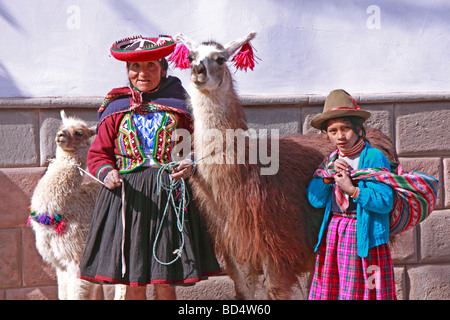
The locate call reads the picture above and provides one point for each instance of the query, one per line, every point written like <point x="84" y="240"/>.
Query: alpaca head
<point x="207" y="60"/>
<point x="74" y="134"/>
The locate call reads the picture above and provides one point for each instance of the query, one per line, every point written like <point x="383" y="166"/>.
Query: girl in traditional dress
<point x="138" y="130"/>
<point x="353" y="258"/>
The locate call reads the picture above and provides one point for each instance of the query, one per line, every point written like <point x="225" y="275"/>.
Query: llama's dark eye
<point x="78" y="133"/>
<point x="190" y="57"/>
<point x="220" y="60"/>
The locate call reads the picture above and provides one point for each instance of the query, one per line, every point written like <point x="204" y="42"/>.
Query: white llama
<point x="62" y="208"/>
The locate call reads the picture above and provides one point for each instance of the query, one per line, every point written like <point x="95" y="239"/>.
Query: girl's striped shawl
<point x="416" y="192"/>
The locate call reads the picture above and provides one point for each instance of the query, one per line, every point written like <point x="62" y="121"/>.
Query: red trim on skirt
<point x="340" y="274"/>
<point x="108" y="280"/>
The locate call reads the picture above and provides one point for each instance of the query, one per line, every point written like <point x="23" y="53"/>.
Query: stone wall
<point x="417" y="124"/>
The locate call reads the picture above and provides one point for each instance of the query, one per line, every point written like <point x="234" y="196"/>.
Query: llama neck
<point x="215" y="113"/>
<point x="219" y="108"/>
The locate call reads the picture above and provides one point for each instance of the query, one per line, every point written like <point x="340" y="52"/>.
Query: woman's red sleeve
<point x="101" y="156"/>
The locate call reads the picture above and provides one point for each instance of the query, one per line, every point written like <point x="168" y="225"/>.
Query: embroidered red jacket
<point x="117" y="144"/>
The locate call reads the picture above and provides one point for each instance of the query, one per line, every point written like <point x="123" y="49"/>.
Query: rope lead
<point x="176" y="190"/>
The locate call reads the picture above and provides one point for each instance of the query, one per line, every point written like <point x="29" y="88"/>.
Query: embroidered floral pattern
<point x="147" y="125"/>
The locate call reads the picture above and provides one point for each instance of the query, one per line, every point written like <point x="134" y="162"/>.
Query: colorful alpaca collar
<point x="357" y="148"/>
<point x="54" y="220"/>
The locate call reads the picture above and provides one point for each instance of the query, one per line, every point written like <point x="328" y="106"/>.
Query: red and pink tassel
<point x="242" y="60"/>
<point x="245" y="58"/>
<point x="179" y="57"/>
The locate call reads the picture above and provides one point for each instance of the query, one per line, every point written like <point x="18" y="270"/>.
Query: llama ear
<point x="233" y="46"/>
<point x="190" y="45"/>
<point x="179" y="57"/>
<point x="245" y="58"/>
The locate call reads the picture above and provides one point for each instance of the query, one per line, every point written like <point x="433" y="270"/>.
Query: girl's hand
<point x="344" y="182"/>
<point x="341" y="165"/>
<point x="183" y="170"/>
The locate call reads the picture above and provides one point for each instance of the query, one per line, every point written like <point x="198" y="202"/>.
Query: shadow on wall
<point x="132" y="15"/>
<point x="8" y="87"/>
<point x="8" y="17"/>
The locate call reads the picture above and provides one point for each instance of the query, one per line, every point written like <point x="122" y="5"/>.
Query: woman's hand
<point x="183" y="170"/>
<point x="113" y="179"/>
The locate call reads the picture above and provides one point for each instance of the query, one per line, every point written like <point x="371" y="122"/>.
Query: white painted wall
<point x="61" y="47"/>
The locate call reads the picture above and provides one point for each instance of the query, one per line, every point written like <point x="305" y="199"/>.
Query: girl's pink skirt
<point x="340" y="274"/>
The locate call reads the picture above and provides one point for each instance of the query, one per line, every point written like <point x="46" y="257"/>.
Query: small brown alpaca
<point x="261" y="223"/>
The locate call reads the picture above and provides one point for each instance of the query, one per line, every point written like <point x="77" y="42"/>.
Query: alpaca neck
<point x="76" y="157"/>
<point x="64" y="171"/>
<point x="60" y="182"/>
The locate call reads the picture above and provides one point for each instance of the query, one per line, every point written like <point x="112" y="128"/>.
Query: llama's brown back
<point x="288" y="211"/>
<point x="379" y="140"/>
<point x="270" y="215"/>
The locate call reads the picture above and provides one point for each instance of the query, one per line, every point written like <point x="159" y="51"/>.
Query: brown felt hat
<point x="338" y="104"/>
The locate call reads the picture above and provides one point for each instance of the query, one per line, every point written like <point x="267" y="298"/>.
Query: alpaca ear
<point x="63" y="115"/>
<point x="233" y="46"/>
<point x="92" y="131"/>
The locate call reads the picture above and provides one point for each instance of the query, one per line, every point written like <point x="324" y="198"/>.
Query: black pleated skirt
<point x="102" y="258"/>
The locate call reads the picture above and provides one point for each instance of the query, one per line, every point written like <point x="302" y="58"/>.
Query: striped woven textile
<point x="416" y="192"/>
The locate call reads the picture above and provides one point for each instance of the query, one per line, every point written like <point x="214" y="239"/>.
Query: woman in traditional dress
<point x="138" y="131"/>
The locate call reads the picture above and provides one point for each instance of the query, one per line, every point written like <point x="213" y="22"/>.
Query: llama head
<point x="207" y="60"/>
<point x="73" y="134"/>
